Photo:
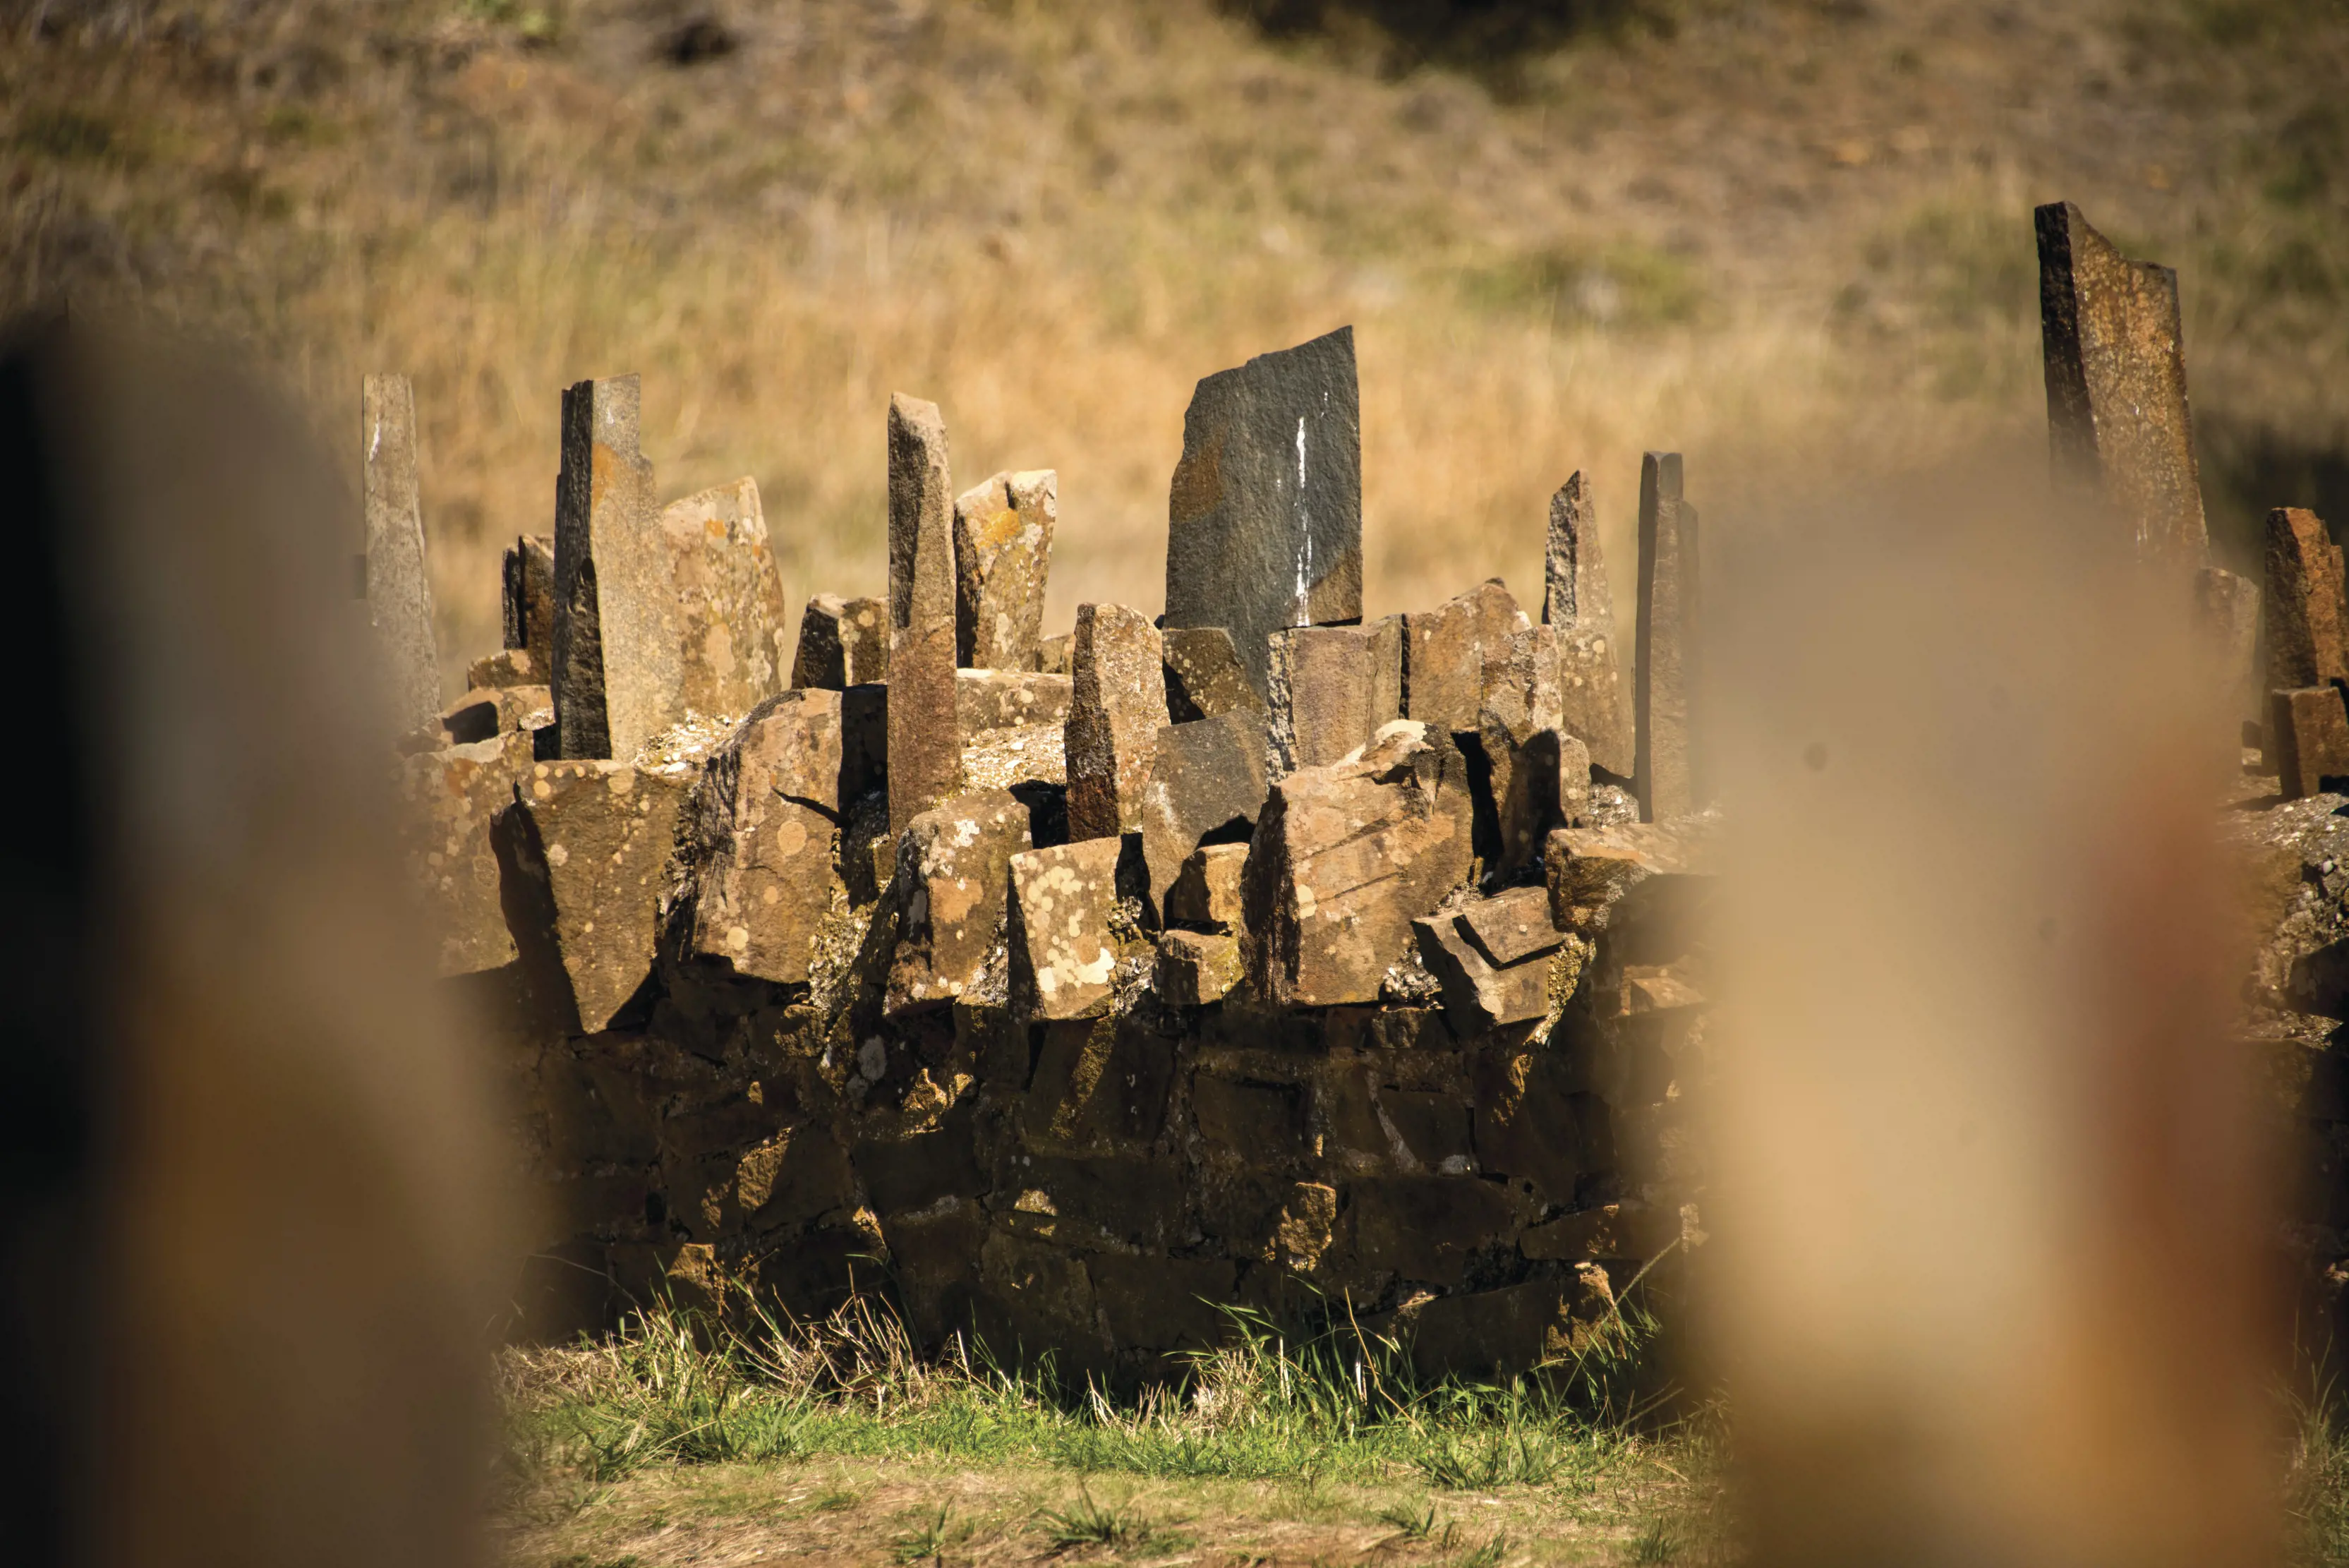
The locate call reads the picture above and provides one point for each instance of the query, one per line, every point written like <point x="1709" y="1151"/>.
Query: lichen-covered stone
<point x="1481" y="993"/>
<point x="1205" y="678"/>
<point x="1117" y="706"/>
<point x="725" y="600"/>
<point x="1331" y="687"/>
<point x="842" y="643"/>
<point x="761" y="839"/>
<point x="925" y="746"/>
<point x="1454" y="651"/>
<point x="1003" y="550"/>
<point x="1577" y="601"/>
<point x="1344" y="858"/>
<point x="954" y="874"/>
<point x="618" y="671"/>
<point x="484" y="713"/>
<point x="1207" y="890"/>
<point x="1195" y="968"/>
<point x="505" y="669"/>
<point x="1004" y="699"/>
<point x="1206" y="776"/>
<point x="449" y="798"/>
<point x="1062" y="950"/>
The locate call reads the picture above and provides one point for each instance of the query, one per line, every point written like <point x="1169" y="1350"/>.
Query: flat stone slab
<point x="954" y="874"/>
<point x="1480" y="994"/>
<point x="1344" y="858"/>
<point x="1512" y="926"/>
<point x="1003" y="552"/>
<point x="1265" y="514"/>
<point x="1450" y="650"/>
<point x="761" y="842"/>
<point x="1331" y="689"/>
<point x="447" y="800"/>
<point x="1205" y="678"/>
<point x="507" y="667"/>
<point x="1206" y="777"/>
<point x="484" y="714"/>
<point x="728" y="600"/>
<point x="1062" y="899"/>
<point x="1009" y="699"/>
<point x="1117" y="706"/>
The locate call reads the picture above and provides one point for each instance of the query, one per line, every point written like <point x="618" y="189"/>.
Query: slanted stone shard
<point x="398" y="582"/>
<point x="1577" y="601"/>
<point x="925" y="748"/>
<point x="2227" y="621"/>
<point x="1265" y="514"/>
<point x="1003" y="550"/>
<point x="1479" y="994"/>
<point x="617" y="675"/>
<point x="526" y="597"/>
<point x="954" y="873"/>
<point x="582" y="858"/>
<point x="1662" y="770"/>
<point x="2117" y="422"/>
<point x="1331" y="689"/>
<point x="725" y="608"/>
<point x="1344" y="858"/>
<point x="1117" y="706"/>
<point x="1205" y="678"/>
<point x="1000" y="699"/>
<point x="759" y="838"/>
<point x="1511" y="926"/>
<point x="1206" y="776"/>
<point x="1062" y="953"/>
<point x="1454" y="650"/>
<point x="2308" y="740"/>
<point x="2307" y="621"/>
<point x="449" y="798"/>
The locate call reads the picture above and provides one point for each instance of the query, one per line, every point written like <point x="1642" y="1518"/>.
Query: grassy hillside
<point x="1791" y="239"/>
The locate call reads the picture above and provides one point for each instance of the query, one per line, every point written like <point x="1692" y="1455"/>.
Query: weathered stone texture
<point x="727" y="600"/>
<point x="617" y="679"/>
<point x="1009" y="699"/>
<point x="1331" y="687"/>
<point x="1664" y="769"/>
<point x="1206" y="776"/>
<point x="449" y="798"/>
<point x="526" y="598"/>
<point x="842" y="643"/>
<point x="398" y="579"/>
<point x="1003" y="550"/>
<point x="954" y="874"/>
<point x="485" y="713"/>
<point x="1195" y="968"/>
<point x="2118" y="421"/>
<point x="2307" y="621"/>
<point x="509" y="667"/>
<point x="583" y="859"/>
<point x="1492" y="957"/>
<point x="2308" y="739"/>
<point x="760" y="838"/>
<point x="1206" y="891"/>
<point x="1577" y="601"/>
<point x="1344" y="858"/>
<point x="1205" y="678"/>
<point x="1265" y="514"/>
<point x="2226" y="622"/>
<point x="1454" y="651"/>
<point x="1117" y="706"/>
<point x="924" y="747"/>
<point x="1062" y="901"/>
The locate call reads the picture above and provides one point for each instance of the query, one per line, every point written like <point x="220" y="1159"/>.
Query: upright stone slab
<point x="954" y="873"/>
<point x="398" y="582"/>
<point x="1003" y="550"/>
<point x="759" y="838"/>
<point x="1662" y="770"/>
<point x="526" y="598"/>
<point x="1264" y="515"/>
<point x="1577" y="601"/>
<point x="1453" y="653"/>
<point x="2308" y="740"/>
<point x="1206" y="776"/>
<point x="1331" y="687"/>
<point x="2227" y="620"/>
<point x="2116" y="417"/>
<point x="842" y="643"/>
<point x="925" y="750"/>
<point x="1203" y="676"/>
<point x="1117" y="706"/>
<point x="726" y="599"/>
<point x="2307" y="621"/>
<point x="449" y="798"/>
<point x="618" y="677"/>
<point x="1061" y="900"/>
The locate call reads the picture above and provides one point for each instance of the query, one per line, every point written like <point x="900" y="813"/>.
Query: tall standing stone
<point x="526" y="586"/>
<point x="726" y="599"/>
<point x="1577" y="601"/>
<point x="398" y="585"/>
<point x="1117" y="708"/>
<point x="1662" y="774"/>
<point x="2117" y="424"/>
<point x="2227" y="620"/>
<point x="2307" y="619"/>
<point x="925" y="749"/>
<point x="617" y="677"/>
<point x="1003" y="550"/>
<point x="1264" y="515"/>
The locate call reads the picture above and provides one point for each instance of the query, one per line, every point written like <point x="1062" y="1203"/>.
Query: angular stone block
<point x="1206" y="776"/>
<point x="1589" y="871"/>
<point x="507" y="667"/>
<point x="1612" y="1233"/>
<point x="1117" y="706"/>
<point x="2227" y="623"/>
<point x="2308" y="740"/>
<point x="1479" y="994"/>
<point x="2116" y="417"/>
<point x="398" y="580"/>
<point x="1207" y="890"/>
<point x="449" y="798"/>
<point x="1492" y="1335"/>
<point x="1663" y="774"/>
<point x="1164" y="1303"/>
<point x="954" y="873"/>
<point x="1532" y="1122"/>
<point x="1195" y="968"/>
<point x="1100" y="1084"/>
<point x="1511" y="926"/>
<point x="1425" y="1229"/>
<point x="924" y="747"/>
<point x="842" y="643"/>
<point x="618" y="671"/>
<point x="1062" y="953"/>
<point x="1052" y="653"/>
<point x="1003" y="549"/>
<point x="1545" y="787"/>
<point x="1205" y="678"/>
<point x="583" y="858"/>
<point x="1449" y="652"/>
<point x="485" y="713"/>
<point x="526" y="599"/>
<point x="1003" y="698"/>
<point x="1331" y="687"/>
<point x="1265" y="514"/>
<point x="761" y="838"/>
<point x="1577" y="601"/>
<point x="2307" y="621"/>
<point x="1344" y="858"/>
<point x="725" y="600"/>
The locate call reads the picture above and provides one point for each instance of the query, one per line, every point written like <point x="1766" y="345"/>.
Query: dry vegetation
<point x="1789" y="238"/>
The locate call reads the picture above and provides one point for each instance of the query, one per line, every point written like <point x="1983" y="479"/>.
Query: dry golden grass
<point x="1791" y="240"/>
